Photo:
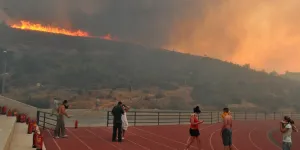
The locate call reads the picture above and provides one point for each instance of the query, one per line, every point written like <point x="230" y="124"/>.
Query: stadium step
<point x="7" y="127"/>
<point x="21" y="140"/>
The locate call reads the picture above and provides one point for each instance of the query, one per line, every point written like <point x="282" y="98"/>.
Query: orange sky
<point x="263" y="33"/>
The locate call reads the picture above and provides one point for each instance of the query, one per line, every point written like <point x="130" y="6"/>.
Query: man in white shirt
<point x="286" y="130"/>
<point x="55" y="105"/>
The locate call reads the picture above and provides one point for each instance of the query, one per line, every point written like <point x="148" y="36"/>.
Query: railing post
<point x="38" y="117"/>
<point x="265" y="116"/>
<point x="274" y="115"/>
<point x="245" y="115"/>
<point x="233" y="115"/>
<point x="218" y="116"/>
<point x="44" y="121"/>
<point x="179" y="114"/>
<point x="211" y="118"/>
<point x="107" y="118"/>
<point x="255" y="115"/>
<point x="134" y="121"/>
<point x="157" y="118"/>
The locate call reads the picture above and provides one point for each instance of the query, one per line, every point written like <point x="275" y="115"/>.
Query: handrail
<point x="171" y="118"/>
<point x="46" y="120"/>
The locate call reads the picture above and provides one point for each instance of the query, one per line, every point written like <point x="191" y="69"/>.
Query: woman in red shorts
<point x="194" y="129"/>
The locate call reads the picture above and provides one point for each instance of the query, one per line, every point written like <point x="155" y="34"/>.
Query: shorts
<point x="194" y="132"/>
<point x="227" y="137"/>
<point x="286" y="145"/>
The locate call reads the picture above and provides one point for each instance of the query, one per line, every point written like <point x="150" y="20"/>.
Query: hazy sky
<point x="263" y="33"/>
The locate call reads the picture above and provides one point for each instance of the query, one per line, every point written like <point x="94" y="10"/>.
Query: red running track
<point x="247" y="135"/>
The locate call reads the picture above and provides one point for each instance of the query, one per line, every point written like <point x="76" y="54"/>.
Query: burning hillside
<point x="27" y="25"/>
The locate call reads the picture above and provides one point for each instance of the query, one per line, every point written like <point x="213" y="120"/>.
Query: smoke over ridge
<point x="263" y="33"/>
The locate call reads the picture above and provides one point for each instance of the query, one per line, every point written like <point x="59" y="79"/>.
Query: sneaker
<point x="123" y="138"/>
<point x="56" y="137"/>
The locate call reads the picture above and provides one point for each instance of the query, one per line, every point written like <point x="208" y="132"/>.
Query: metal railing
<point x="136" y="118"/>
<point x="46" y="120"/>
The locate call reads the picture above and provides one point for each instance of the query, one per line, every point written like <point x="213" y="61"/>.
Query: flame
<point x="108" y="37"/>
<point x="27" y="25"/>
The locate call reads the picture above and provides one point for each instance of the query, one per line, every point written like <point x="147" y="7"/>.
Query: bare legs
<point x="191" y="140"/>
<point x="124" y="133"/>
<point x="199" y="143"/>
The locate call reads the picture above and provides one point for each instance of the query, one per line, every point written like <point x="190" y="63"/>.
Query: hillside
<point x="81" y="69"/>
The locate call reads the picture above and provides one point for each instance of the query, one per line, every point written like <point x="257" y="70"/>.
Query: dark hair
<point x="226" y="109"/>
<point x="65" y="101"/>
<point x="120" y="103"/>
<point x="197" y="110"/>
<point x="287" y="118"/>
<point x="292" y="121"/>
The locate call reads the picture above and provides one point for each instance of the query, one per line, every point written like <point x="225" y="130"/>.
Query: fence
<point x="171" y="118"/>
<point x="46" y="120"/>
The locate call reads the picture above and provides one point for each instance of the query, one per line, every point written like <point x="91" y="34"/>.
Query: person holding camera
<point x="287" y="126"/>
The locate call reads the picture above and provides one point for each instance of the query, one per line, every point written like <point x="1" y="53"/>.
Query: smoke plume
<point x="262" y="33"/>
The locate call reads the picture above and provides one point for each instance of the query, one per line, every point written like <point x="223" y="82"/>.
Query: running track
<point x="247" y="135"/>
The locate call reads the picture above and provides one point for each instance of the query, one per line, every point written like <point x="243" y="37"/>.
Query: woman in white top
<point x="286" y="128"/>
<point x="124" y="120"/>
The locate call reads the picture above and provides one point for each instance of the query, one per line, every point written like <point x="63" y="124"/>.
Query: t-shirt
<point x="56" y="104"/>
<point x="117" y="112"/>
<point x="287" y="136"/>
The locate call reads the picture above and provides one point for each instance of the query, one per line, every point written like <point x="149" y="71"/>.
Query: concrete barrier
<point x="7" y="127"/>
<point x="19" y="106"/>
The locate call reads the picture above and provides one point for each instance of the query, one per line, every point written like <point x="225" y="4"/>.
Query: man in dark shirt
<point x="117" y="112"/>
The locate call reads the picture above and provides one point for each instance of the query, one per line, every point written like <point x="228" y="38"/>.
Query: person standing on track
<point x="60" y="124"/>
<point x="117" y="112"/>
<point x="194" y="129"/>
<point x="226" y="130"/>
<point x="286" y="128"/>
<point x="54" y="105"/>
<point x="124" y="120"/>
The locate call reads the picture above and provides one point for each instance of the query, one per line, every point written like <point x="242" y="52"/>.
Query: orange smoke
<point x="262" y="33"/>
<point x="27" y="25"/>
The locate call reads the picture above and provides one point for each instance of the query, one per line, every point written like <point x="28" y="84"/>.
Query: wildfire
<point x="27" y="25"/>
<point x="108" y="37"/>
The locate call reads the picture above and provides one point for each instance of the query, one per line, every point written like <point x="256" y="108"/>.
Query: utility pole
<point x="4" y="72"/>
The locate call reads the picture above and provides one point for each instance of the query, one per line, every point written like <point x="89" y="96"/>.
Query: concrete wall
<point x="21" y="107"/>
